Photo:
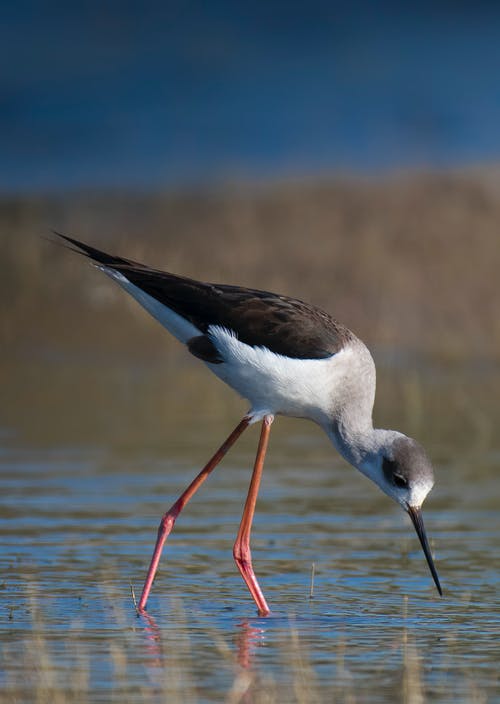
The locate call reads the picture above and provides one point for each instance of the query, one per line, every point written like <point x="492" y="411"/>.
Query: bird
<point x="285" y="357"/>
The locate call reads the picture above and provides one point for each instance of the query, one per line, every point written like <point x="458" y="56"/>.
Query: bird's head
<point x="404" y="472"/>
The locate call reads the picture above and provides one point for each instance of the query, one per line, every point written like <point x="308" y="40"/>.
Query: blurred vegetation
<point x="148" y="663"/>
<point x="410" y="263"/>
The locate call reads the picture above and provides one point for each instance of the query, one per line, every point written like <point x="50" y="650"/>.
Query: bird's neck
<point x="349" y="424"/>
<point x="359" y="443"/>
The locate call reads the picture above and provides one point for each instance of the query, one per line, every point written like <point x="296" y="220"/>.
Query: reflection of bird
<point x="285" y="357"/>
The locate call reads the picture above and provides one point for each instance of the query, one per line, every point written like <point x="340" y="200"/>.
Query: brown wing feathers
<point x="284" y="325"/>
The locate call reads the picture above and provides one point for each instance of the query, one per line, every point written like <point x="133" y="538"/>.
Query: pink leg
<point x="168" y="520"/>
<point x="241" y="550"/>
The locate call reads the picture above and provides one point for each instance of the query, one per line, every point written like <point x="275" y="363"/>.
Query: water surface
<point x="84" y="485"/>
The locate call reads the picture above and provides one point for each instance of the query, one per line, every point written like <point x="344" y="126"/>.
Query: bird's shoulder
<point x="285" y="325"/>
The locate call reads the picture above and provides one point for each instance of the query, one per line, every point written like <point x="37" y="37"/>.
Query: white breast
<point x="340" y="386"/>
<point x="304" y="388"/>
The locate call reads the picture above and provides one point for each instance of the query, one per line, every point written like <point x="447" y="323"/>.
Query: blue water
<point x="125" y="94"/>
<point x="77" y="526"/>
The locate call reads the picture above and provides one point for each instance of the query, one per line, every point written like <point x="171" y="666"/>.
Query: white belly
<point x="319" y="389"/>
<point x="274" y="384"/>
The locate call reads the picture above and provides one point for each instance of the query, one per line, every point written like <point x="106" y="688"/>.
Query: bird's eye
<point x="400" y="481"/>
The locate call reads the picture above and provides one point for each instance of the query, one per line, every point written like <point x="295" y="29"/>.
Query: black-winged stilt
<point x="285" y="357"/>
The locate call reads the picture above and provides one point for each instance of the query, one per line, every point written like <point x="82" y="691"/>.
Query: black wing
<point x="286" y="326"/>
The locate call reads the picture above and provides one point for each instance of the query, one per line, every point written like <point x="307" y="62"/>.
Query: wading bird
<point x="285" y="357"/>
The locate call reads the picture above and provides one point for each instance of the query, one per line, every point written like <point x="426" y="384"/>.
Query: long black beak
<point x="416" y="516"/>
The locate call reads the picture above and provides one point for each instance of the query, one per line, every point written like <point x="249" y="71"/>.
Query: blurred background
<point x="344" y="153"/>
<point x="169" y="94"/>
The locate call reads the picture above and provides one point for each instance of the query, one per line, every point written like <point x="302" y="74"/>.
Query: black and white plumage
<point x="285" y="357"/>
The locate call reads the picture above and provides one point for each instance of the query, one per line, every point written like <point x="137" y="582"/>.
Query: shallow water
<point x="86" y="475"/>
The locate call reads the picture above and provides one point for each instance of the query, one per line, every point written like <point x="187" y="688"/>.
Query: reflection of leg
<point x="168" y="520"/>
<point x="153" y="638"/>
<point x="241" y="550"/>
<point x="248" y="639"/>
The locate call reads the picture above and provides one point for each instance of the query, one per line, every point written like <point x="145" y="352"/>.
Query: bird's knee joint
<point x="242" y="557"/>
<point x="167" y="523"/>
